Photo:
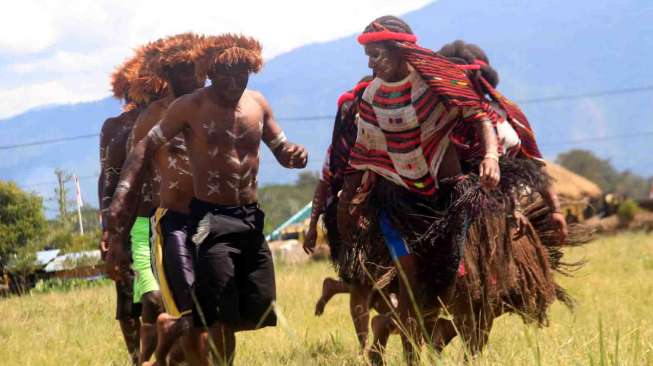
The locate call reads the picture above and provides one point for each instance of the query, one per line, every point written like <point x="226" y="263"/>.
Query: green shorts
<point x="144" y="280"/>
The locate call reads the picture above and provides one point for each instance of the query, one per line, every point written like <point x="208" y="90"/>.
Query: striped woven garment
<point x="404" y="128"/>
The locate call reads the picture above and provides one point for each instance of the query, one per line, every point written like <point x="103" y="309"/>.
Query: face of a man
<point x="230" y="81"/>
<point x="384" y="63"/>
<point x="183" y="78"/>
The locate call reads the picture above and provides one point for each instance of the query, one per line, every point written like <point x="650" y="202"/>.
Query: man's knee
<point x="152" y="306"/>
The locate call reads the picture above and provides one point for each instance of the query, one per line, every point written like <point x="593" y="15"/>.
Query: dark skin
<point x="551" y="198"/>
<point x="388" y="65"/>
<point x="113" y="141"/>
<point x="171" y="171"/>
<point x="170" y="164"/>
<point x="319" y="200"/>
<point x="223" y="126"/>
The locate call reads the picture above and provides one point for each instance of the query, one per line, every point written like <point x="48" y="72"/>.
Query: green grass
<point x="612" y="325"/>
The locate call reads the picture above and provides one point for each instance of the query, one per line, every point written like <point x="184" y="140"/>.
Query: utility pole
<point x="61" y="192"/>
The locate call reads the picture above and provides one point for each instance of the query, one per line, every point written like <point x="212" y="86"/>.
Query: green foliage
<point x="627" y="211"/>
<point x="66" y="238"/>
<point x="601" y="172"/>
<point x="61" y="285"/>
<point x="282" y="201"/>
<point x="21" y="220"/>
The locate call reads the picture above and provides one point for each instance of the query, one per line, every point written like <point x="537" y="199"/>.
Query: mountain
<point x="541" y="49"/>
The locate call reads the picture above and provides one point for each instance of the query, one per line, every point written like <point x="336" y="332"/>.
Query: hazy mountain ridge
<point x="540" y="49"/>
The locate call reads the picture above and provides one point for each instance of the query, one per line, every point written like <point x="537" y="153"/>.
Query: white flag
<point x="78" y="193"/>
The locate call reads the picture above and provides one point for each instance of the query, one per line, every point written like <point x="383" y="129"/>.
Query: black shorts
<point x="125" y="307"/>
<point x="235" y="281"/>
<point x="178" y="262"/>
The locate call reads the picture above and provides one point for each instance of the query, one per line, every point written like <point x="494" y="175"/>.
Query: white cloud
<point x="79" y="42"/>
<point x="16" y="100"/>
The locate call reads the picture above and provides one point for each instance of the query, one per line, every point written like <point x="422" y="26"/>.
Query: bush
<point x="627" y="211"/>
<point x="65" y="285"/>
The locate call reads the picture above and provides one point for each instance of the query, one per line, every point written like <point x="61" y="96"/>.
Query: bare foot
<point x="330" y="287"/>
<point x="176" y="356"/>
<point x="168" y="330"/>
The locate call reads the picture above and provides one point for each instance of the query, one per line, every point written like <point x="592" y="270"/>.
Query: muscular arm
<point x="288" y="154"/>
<point x="128" y="189"/>
<point x="145" y="122"/>
<point x="105" y="191"/>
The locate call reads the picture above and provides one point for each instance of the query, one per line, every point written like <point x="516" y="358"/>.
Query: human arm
<point x="550" y="197"/>
<point x="484" y="130"/>
<point x="107" y="180"/>
<point x="345" y="219"/>
<point x="122" y="208"/>
<point x="288" y="154"/>
<point x="318" y="207"/>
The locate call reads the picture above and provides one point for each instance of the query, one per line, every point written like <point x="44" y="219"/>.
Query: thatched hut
<point x="578" y="195"/>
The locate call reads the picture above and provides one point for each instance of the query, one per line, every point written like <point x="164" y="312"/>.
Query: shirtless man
<point x="113" y="143"/>
<point x="223" y="125"/>
<point x="173" y="60"/>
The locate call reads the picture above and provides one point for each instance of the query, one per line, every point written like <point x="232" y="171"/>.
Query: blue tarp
<point x="299" y="217"/>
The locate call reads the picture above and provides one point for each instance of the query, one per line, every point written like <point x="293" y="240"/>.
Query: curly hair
<point x="232" y="49"/>
<point x="460" y="52"/>
<point x="390" y="23"/>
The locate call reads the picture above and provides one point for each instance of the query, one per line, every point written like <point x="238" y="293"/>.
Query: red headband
<point x="475" y="66"/>
<point x="386" y="35"/>
<point x="351" y="95"/>
<point x="360" y="86"/>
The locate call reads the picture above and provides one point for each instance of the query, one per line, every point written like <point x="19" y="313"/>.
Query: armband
<point x="156" y="135"/>
<point x="493" y="156"/>
<point x="123" y="186"/>
<point x="278" y="141"/>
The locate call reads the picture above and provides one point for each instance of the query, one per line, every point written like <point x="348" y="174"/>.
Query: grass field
<point x="612" y="325"/>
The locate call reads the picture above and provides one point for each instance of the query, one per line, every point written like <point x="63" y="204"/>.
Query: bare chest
<point x="229" y="128"/>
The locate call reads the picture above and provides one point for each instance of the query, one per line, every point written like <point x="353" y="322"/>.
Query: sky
<point x="56" y="51"/>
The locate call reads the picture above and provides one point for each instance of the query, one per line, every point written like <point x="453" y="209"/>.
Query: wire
<point x="329" y="117"/>
<point x="47" y="142"/>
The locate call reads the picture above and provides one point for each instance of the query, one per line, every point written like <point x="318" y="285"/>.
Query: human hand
<point x="489" y="172"/>
<point x="117" y="260"/>
<point x="521" y="222"/>
<point x="103" y="246"/>
<point x="292" y="156"/>
<point x="310" y="239"/>
<point x="559" y="220"/>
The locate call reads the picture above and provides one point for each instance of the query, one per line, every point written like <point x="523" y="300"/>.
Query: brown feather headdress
<point x="232" y="49"/>
<point x="123" y="74"/>
<point x="145" y="86"/>
<point x="133" y="84"/>
<point x="172" y="50"/>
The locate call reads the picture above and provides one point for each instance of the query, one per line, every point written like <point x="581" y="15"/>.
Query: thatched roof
<point x="571" y="185"/>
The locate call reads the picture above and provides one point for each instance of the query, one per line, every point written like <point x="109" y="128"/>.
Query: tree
<point x="585" y="163"/>
<point x="21" y="220"/>
<point x="602" y="172"/>
<point x="282" y="201"/>
<point x="61" y="193"/>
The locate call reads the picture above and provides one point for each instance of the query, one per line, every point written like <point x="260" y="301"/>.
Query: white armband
<point x="156" y="135"/>
<point x="123" y="186"/>
<point x="278" y="141"/>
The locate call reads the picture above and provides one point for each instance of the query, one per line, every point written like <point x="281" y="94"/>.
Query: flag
<point x="78" y="193"/>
